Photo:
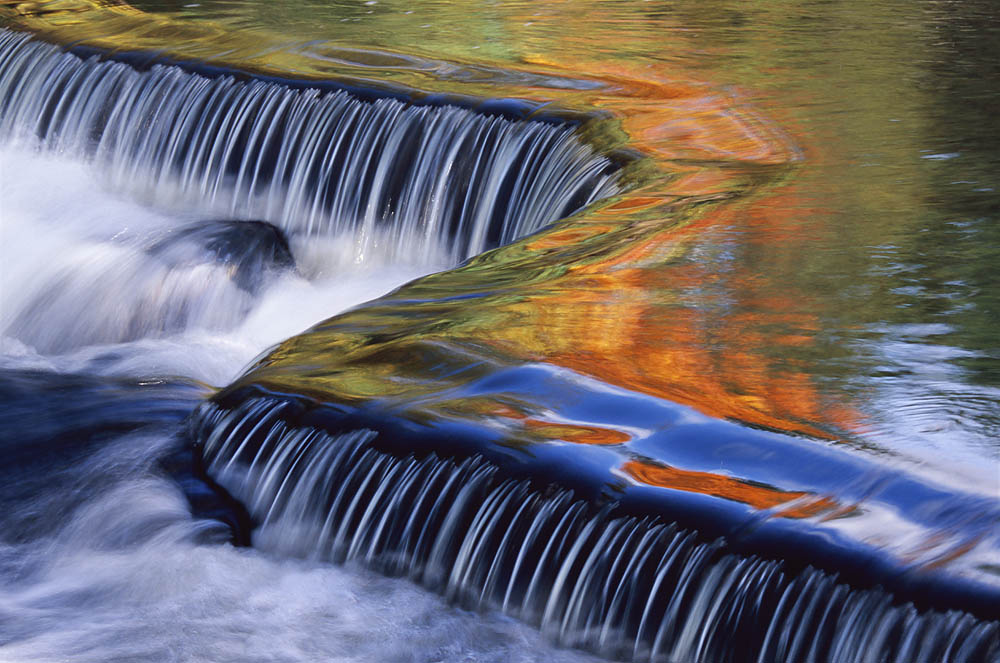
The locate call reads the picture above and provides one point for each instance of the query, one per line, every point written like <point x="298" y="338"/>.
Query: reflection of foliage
<point x="786" y="504"/>
<point x="721" y="280"/>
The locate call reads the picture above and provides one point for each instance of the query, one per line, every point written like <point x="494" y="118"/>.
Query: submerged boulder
<point x="252" y="250"/>
<point x="205" y="275"/>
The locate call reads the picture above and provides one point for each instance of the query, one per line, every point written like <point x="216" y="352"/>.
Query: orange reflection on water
<point x="799" y="504"/>
<point x="613" y="293"/>
<point x="626" y="317"/>
<point x="674" y="118"/>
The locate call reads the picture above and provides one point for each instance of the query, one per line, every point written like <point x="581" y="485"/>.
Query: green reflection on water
<point x="855" y="294"/>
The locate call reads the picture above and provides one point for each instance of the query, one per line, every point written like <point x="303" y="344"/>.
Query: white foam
<point x="79" y="294"/>
<point x="124" y="579"/>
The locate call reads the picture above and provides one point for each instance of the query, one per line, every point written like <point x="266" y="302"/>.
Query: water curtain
<point x="628" y="587"/>
<point x="309" y="161"/>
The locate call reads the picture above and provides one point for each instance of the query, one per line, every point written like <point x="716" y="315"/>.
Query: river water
<point x="101" y="559"/>
<point x="806" y="246"/>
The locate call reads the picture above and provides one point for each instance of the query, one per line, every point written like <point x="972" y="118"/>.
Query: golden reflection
<point x="612" y="293"/>
<point x="576" y="433"/>
<point x="797" y="504"/>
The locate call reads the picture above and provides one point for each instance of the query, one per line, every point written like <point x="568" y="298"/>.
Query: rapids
<point x="114" y="269"/>
<point x="101" y="558"/>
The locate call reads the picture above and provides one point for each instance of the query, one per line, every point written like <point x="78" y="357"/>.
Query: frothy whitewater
<point x="102" y="560"/>
<point x="124" y="572"/>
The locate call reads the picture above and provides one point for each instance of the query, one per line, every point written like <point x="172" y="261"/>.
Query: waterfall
<point x="629" y="587"/>
<point x="325" y="161"/>
<point x="308" y="160"/>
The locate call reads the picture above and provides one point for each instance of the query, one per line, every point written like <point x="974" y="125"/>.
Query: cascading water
<point x="99" y="287"/>
<point x="318" y="163"/>
<point x="398" y="180"/>
<point x="206" y="276"/>
<point x="629" y="587"/>
<point x="351" y="182"/>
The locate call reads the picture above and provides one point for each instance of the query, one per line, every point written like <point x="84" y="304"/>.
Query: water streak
<point x="310" y="161"/>
<point x="635" y="588"/>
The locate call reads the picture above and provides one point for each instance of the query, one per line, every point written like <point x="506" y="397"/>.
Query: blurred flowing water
<point x="778" y="317"/>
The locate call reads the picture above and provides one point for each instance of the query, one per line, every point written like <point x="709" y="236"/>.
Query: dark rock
<point x="254" y="249"/>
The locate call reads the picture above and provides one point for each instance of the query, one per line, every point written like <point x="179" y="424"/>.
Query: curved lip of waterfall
<point x="797" y="544"/>
<point x="363" y="89"/>
<point x="486" y="232"/>
<point x="368" y="90"/>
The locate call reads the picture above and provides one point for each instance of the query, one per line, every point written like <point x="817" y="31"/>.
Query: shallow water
<point x="809" y="246"/>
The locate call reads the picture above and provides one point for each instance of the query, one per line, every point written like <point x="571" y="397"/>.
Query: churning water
<point x="100" y="557"/>
<point x="115" y="268"/>
<point x="102" y="561"/>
